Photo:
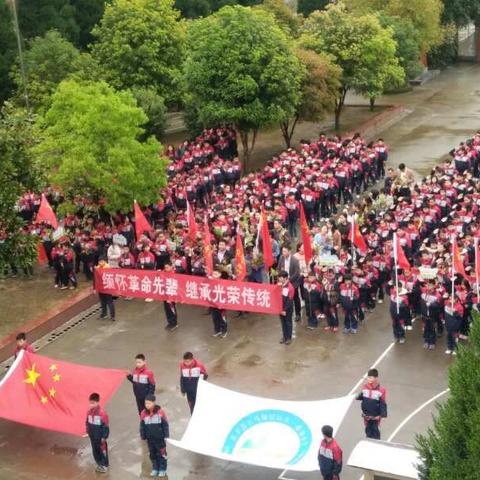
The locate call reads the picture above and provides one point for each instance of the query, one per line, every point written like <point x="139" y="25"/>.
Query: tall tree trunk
<point x="339" y="103"/>
<point x="284" y="127"/>
<point x="246" y="153"/>
<point x="372" y="103"/>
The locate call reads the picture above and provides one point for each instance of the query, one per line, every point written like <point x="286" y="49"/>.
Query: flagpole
<point x="476" y="269"/>
<point x="395" y="258"/>
<point x="453" y="268"/>
<point x="352" y="228"/>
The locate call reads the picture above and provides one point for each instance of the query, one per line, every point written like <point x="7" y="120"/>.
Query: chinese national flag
<point x="399" y="255"/>
<point x="46" y="214"/>
<point x="141" y="223"/>
<point x="240" y="265"/>
<point x="357" y="239"/>
<point x="192" y="224"/>
<point x="51" y="394"/>
<point x="207" y="248"/>
<point x="266" y="241"/>
<point x="457" y="259"/>
<point x="306" y="238"/>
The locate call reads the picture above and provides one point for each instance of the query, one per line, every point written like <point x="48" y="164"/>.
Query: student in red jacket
<point x="98" y="431"/>
<point x="329" y="455"/>
<point x="191" y="370"/>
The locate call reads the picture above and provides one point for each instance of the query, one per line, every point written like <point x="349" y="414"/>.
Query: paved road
<point x="250" y="360"/>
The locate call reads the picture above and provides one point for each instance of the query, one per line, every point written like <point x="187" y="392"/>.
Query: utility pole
<point x="13" y="6"/>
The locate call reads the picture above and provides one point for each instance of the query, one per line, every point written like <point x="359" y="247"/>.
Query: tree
<point x="48" y="60"/>
<point x="87" y="14"/>
<point x="319" y="88"/>
<point x="17" y="174"/>
<point x="8" y="49"/>
<point x="140" y="43"/>
<point x="153" y="106"/>
<point x="284" y="15"/>
<point x="193" y="8"/>
<point x="306" y="7"/>
<point x="408" y="44"/>
<point x="89" y="143"/>
<point x="425" y="16"/>
<point x="241" y="70"/>
<point x="451" y="448"/>
<point x="364" y="50"/>
<point x="36" y="17"/>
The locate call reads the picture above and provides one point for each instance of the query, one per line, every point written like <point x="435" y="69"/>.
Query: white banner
<point x="260" y="431"/>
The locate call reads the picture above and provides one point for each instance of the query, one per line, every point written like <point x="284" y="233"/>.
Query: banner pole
<point x="476" y="269"/>
<point x="395" y="257"/>
<point x="453" y="269"/>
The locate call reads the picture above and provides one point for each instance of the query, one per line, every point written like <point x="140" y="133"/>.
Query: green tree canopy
<point x="451" y="449"/>
<point x="153" y="106"/>
<point x="286" y="18"/>
<point x="408" y="44"/>
<point x="365" y="51"/>
<point x="48" y="60"/>
<point x="240" y="69"/>
<point x="17" y="174"/>
<point x="8" y="50"/>
<point x="140" y="43"/>
<point x="319" y="89"/>
<point x="306" y="7"/>
<point x="90" y="143"/>
<point x="193" y="8"/>
<point x="87" y="14"/>
<point x="36" y="17"/>
<point x="425" y="16"/>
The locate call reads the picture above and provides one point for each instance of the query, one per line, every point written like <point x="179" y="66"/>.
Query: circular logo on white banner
<point x="275" y="435"/>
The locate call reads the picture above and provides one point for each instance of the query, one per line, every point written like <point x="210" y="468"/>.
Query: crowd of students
<point x="335" y="180"/>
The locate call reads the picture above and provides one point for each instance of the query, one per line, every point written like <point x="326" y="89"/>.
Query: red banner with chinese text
<point x="175" y="287"/>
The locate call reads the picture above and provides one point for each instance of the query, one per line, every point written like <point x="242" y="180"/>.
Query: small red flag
<point x="42" y="257"/>
<point x="306" y="238"/>
<point x="240" y="265"/>
<point x="356" y="238"/>
<point x="399" y="254"/>
<point x="457" y="259"/>
<point x="141" y="223"/>
<point x="192" y="224"/>
<point x="207" y="248"/>
<point x="266" y="241"/>
<point x="46" y="214"/>
<point x="52" y="394"/>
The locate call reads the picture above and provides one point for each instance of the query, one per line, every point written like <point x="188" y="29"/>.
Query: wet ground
<point x="316" y="366"/>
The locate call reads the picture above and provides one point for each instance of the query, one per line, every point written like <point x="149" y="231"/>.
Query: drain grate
<point x="57" y="333"/>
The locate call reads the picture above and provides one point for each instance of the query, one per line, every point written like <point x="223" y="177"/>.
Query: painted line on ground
<point x="417" y="410"/>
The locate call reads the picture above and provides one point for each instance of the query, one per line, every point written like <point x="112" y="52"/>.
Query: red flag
<point x="52" y="394"/>
<point x="306" y="238"/>
<point x="42" y="257"/>
<point x="141" y="223"/>
<point x="356" y="238"/>
<point x="457" y="259"/>
<point x="399" y="254"/>
<point x="240" y="265"/>
<point x="266" y="241"/>
<point x="192" y="224"/>
<point x="46" y="214"/>
<point x="207" y="248"/>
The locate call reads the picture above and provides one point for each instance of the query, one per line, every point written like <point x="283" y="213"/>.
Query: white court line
<point x="377" y="361"/>
<point x="417" y="410"/>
